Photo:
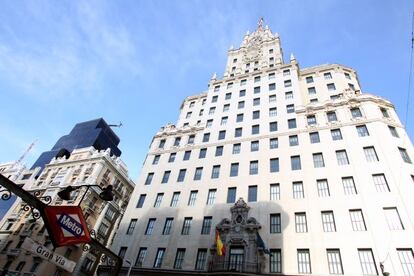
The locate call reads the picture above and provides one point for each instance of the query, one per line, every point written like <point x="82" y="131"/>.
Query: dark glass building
<point x="94" y="133"/>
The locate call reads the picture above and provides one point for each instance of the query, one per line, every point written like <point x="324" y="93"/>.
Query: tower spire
<point x="260" y="24"/>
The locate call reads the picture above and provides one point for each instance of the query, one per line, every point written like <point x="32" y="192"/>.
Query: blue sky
<point x="63" y="62"/>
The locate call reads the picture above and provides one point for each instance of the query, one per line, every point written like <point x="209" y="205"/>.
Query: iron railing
<point x="240" y="266"/>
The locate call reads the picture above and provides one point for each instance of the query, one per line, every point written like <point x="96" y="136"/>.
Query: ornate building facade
<point x="83" y="166"/>
<point x="297" y="170"/>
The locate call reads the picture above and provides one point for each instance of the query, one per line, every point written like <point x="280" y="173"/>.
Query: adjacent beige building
<point x="323" y="172"/>
<point x="86" y="166"/>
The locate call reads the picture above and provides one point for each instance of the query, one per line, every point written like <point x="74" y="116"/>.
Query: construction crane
<point x="25" y="153"/>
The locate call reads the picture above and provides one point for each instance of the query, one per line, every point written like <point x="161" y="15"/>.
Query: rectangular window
<point x="150" y="226"/>
<point x="298" y="190"/>
<point x="314" y="137"/>
<point x="201" y="112"/>
<point x="406" y="257"/>
<point x="206" y="137"/>
<point x="362" y="130"/>
<point x="205" y="229"/>
<point x="174" y="199"/>
<point x="219" y="150"/>
<point x="331" y="116"/>
<point x="274" y="191"/>
<point x="171" y="159"/>
<point x="356" y="112"/>
<point x="295" y="163"/>
<point x="242" y="93"/>
<point x="131" y="226"/>
<point x="366" y="258"/>
<point x="271" y="76"/>
<point x="331" y="87"/>
<point x="211" y="110"/>
<point x="342" y="157"/>
<point x="273" y="112"/>
<point x="256" y="90"/>
<point x="254" y="146"/>
<point x="256" y="101"/>
<point x="243" y="82"/>
<point x="158" y="199"/>
<point x="336" y="134"/>
<point x="211" y="197"/>
<point x="254" y="167"/>
<point x="167" y="226"/>
<point x="288" y="95"/>
<point x="181" y="175"/>
<point x="274" y="165"/>
<point x="349" y="185"/>
<point x="201" y="259"/>
<point x="255" y="129"/>
<point x="161" y="144"/>
<point x="273" y="143"/>
<point x="188" y="115"/>
<point x="404" y="155"/>
<point x="240" y="105"/>
<point x="309" y="79"/>
<point x="141" y="256"/>
<point x="272" y="86"/>
<point x="252" y="194"/>
<point x="229" y="85"/>
<point x="222" y="134"/>
<point x="357" y="220"/>
<point x="187" y="155"/>
<point x="275" y="223"/>
<point x="384" y="112"/>
<point x="156" y="159"/>
<point x="272" y="98"/>
<point x="380" y="183"/>
<point x="311" y="119"/>
<point x="228" y="96"/>
<point x="166" y="176"/>
<point x="191" y="139"/>
<point x="231" y="194"/>
<point x="141" y="200"/>
<point x="192" y="198"/>
<point x="328" y="221"/>
<point x="209" y="123"/>
<point x="318" y="161"/>
<point x="334" y="261"/>
<point x="304" y="263"/>
<point x="370" y="154"/>
<point x="293" y="140"/>
<point x="393" y="131"/>
<point x="215" y="172"/>
<point x="292" y="123"/>
<point x="148" y="180"/>
<point x="290" y="108"/>
<point x="275" y="261"/>
<point x="311" y="91"/>
<point x="272" y="126"/>
<point x="300" y="223"/>
<point x="348" y="76"/>
<point x="393" y="218"/>
<point x="179" y="258"/>
<point x="186" y="226"/>
<point x="236" y="148"/>
<point x="239" y="118"/>
<point x="256" y="114"/>
<point x="226" y="107"/>
<point x="238" y="132"/>
<point x="177" y="141"/>
<point x="202" y="153"/>
<point x="234" y="169"/>
<point x="198" y="173"/>
<point x="214" y="99"/>
<point x="159" y="257"/>
<point x="288" y="83"/>
<point x="323" y="188"/>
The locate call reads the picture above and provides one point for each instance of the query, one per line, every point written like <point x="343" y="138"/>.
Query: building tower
<point x="274" y="158"/>
<point x="95" y="133"/>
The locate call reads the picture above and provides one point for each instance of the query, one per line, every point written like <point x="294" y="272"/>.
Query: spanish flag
<point x="221" y="249"/>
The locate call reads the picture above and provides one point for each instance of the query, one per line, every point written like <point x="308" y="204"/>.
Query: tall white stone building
<point x="320" y="170"/>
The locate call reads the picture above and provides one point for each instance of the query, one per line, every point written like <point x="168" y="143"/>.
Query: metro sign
<point x="66" y="225"/>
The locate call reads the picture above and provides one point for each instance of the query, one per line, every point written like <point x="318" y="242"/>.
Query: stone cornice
<point x="172" y="130"/>
<point x="325" y="67"/>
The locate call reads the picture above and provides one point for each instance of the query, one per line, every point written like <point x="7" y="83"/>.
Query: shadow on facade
<point x="252" y="234"/>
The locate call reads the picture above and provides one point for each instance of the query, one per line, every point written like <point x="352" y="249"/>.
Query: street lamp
<point x="106" y="193"/>
<point x="130" y="267"/>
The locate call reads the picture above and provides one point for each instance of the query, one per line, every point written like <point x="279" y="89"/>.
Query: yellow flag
<point x="221" y="250"/>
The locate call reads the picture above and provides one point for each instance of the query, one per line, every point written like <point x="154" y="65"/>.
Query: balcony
<point x="234" y="266"/>
<point x="14" y="252"/>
